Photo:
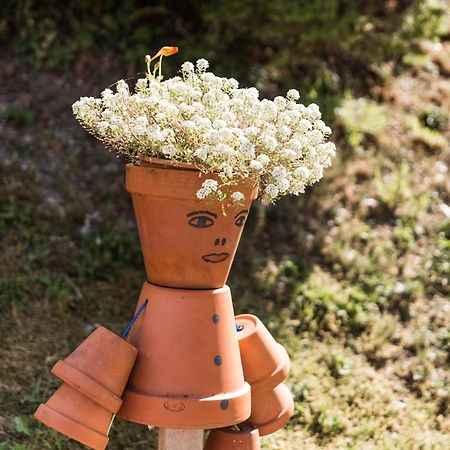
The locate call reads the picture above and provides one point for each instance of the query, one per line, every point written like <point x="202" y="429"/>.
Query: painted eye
<point x="201" y="222"/>
<point x="240" y="221"/>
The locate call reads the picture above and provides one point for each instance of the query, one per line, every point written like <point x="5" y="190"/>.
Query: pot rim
<point x="152" y="160"/>
<point x="153" y="180"/>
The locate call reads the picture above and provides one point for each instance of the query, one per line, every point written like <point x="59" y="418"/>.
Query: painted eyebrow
<point x="241" y="212"/>
<point x="201" y="212"/>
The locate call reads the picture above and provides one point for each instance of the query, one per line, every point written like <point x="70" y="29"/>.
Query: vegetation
<point x="352" y="277"/>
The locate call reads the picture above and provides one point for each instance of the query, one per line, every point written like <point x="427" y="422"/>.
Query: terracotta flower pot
<point x="271" y="409"/>
<point x="76" y="416"/>
<point x="265" y="362"/>
<point x="186" y="242"/>
<point x="246" y="438"/>
<point x="94" y="376"/>
<point x="188" y="373"/>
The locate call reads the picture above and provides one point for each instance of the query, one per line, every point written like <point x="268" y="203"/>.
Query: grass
<point x="352" y="278"/>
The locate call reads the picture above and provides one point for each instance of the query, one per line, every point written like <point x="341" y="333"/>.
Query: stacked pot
<point x="94" y="377"/>
<point x="266" y="365"/>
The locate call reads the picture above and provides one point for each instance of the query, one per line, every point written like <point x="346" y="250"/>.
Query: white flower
<point x="304" y="125"/>
<point x="255" y="165"/>
<point x="283" y="184"/>
<point x="169" y="150"/>
<point x="269" y="142"/>
<point x="141" y="85"/>
<point x="140" y="126"/>
<point x="202" y="193"/>
<point x="224" y="149"/>
<point x="211" y="185"/>
<point x="202" y="64"/>
<point x="285" y="132"/>
<point x="230" y="84"/>
<point x="102" y="126"/>
<point x="263" y="159"/>
<point x="219" y="123"/>
<point x="107" y="93"/>
<point x="301" y="172"/>
<point x="247" y="148"/>
<point x="280" y="102"/>
<point x="330" y="149"/>
<point x="293" y="95"/>
<point x="289" y="153"/>
<point x="208" y="187"/>
<point x="251" y="131"/>
<point x="269" y="109"/>
<point x="315" y="136"/>
<point x="271" y="190"/>
<point x="122" y="88"/>
<point x="225" y="133"/>
<point x="313" y="112"/>
<point x="252" y="93"/>
<point x="201" y="152"/>
<point x="187" y="68"/>
<point x="279" y="172"/>
<point x="237" y="196"/>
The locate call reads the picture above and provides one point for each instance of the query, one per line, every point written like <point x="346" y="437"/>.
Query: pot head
<point x="187" y="242"/>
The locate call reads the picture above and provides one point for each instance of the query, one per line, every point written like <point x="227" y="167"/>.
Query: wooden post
<point x="172" y="439"/>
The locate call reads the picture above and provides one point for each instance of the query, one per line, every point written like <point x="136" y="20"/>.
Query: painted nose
<point x="218" y="241"/>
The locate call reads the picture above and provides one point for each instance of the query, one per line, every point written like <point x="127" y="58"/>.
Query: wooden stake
<point x="171" y="439"/>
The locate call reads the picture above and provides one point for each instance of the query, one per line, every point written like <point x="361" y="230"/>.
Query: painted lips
<point x="216" y="257"/>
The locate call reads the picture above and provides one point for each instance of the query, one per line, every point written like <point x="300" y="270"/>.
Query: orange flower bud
<point x="166" y="51"/>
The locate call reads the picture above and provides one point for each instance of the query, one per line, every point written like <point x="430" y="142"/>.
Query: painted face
<point x="214" y="224"/>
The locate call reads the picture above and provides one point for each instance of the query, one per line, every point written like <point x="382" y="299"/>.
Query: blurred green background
<point x="352" y="277"/>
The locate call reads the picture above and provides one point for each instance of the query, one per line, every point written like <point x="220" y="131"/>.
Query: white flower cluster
<point x="210" y="122"/>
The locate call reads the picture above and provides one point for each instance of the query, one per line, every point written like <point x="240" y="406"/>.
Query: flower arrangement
<point x="211" y="123"/>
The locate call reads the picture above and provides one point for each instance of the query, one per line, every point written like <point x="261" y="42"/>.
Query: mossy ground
<point x="352" y="278"/>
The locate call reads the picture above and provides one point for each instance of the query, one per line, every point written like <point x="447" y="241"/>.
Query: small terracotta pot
<point x="265" y="362"/>
<point x="247" y="438"/>
<point x="188" y="373"/>
<point x="186" y="242"/>
<point x="271" y="409"/>
<point x="94" y="376"/>
<point x="76" y="416"/>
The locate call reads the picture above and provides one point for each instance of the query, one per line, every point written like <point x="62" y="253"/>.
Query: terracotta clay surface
<point x="77" y="416"/>
<point x="246" y="438"/>
<point x="94" y="376"/>
<point x="186" y="242"/>
<point x="271" y="409"/>
<point x="99" y="367"/>
<point x="188" y="373"/>
<point x="265" y="362"/>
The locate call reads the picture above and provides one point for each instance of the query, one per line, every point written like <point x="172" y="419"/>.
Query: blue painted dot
<point x="218" y="360"/>
<point x="224" y="404"/>
<point x="215" y="318"/>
